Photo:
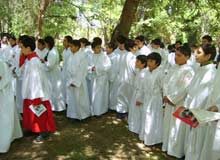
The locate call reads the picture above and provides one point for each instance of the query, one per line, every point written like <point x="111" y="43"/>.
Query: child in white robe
<point x="142" y="48"/>
<point x="76" y="86"/>
<point x="113" y="73"/>
<point x="152" y="116"/>
<point x="125" y="78"/>
<point x="197" y="97"/>
<point x="99" y="65"/>
<point x="52" y="66"/>
<point x="41" y="49"/>
<point x="9" y="120"/>
<point x="66" y="53"/>
<point x="175" y="91"/>
<point x="137" y="100"/>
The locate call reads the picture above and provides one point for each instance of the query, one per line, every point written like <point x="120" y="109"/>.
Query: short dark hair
<point x="28" y="42"/>
<point x="84" y="41"/>
<point x="75" y="42"/>
<point x="50" y="41"/>
<point x="111" y="45"/>
<point x="209" y="49"/>
<point x="12" y="37"/>
<point x="68" y="38"/>
<point x="156" y="41"/>
<point x="155" y="56"/>
<point x="140" y="38"/>
<point x="185" y="50"/>
<point x="121" y="39"/>
<point x="208" y="38"/>
<point x="178" y="42"/>
<point x="22" y="37"/>
<point x="94" y="44"/>
<point x="98" y="40"/>
<point x="129" y="44"/>
<point x="41" y="41"/>
<point x="143" y="59"/>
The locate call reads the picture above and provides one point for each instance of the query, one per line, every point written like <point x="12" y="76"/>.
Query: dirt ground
<point x="96" y="138"/>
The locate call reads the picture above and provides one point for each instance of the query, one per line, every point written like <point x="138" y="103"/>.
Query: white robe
<point x="113" y="83"/>
<point x="54" y="75"/>
<point x="144" y="51"/>
<point x="135" y="112"/>
<point x="77" y="97"/>
<point x="99" y="83"/>
<point x="41" y="53"/>
<point x="125" y="79"/>
<point x="66" y="53"/>
<point x="153" y="108"/>
<point x="9" y="121"/>
<point x="176" y="90"/>
<point x="197" y="97"/>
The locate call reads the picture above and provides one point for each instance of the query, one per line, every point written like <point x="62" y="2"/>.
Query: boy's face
<point x="25" y="50"/>
<point x="65" y="43"/>
<point x="12" y="42"/>
<point x="139" y="43"/>
<point x="139" y="64"/>
<point x="180" y="58"/>
<point x="201" y="57"/>
<point x="108" y="50"/>
<point x="40" y="46"/>
<point x="74" y="48"/>
<point x="155" y="46"/>
<point x="134" y="49"/>
<point x="121" y="46"/>
<point x="97" y="49"/>
<point x="151" y="63"/>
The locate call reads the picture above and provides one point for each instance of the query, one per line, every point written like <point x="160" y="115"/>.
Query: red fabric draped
<point x="23" y="58"/>
<point x="44" y="123"/>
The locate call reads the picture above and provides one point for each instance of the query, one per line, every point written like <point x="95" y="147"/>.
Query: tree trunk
<point x="126" y="19"/>
<point x="40" y="19"/>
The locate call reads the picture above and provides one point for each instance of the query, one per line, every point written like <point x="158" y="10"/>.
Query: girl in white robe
<point x="136" y="107"/>
<point x="152" y="124"/>
<point x="99" y="65"/>
<point x="52" y="67"/>
<point x="197" y="97"/>
<point x="125" y="77"/>
<point x="76" y="86"/>
<point x="112" y="74"/>
<point x="9" y="121"/>
<point x="175" y="91"/>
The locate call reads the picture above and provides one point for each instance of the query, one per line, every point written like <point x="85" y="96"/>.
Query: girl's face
<point x="134" y="49"/>
<point x="121" y="46"/>
<point x="151" y="63"/>
<point x="201" y="57"/>
<point x="108" y="50"/>
<point x="139" y="64"/>
<point x="74" y="48"/>
<point x="97" y="49"/>
<point x="40" y="46"/>
<point x="180" y="58"/>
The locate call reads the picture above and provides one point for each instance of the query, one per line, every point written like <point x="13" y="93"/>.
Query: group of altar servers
<point x="144" y="83"/>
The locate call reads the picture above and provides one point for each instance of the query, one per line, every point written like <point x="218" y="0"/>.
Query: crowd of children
<point x="143" y="83"/>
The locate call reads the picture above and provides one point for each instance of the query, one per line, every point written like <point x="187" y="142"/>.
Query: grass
<point x="95" y="138"/>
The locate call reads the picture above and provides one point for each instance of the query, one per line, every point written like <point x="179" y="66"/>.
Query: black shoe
<point x="39" y="139"/>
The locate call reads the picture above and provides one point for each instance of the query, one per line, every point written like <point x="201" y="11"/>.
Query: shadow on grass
<point x="95" y="138"/>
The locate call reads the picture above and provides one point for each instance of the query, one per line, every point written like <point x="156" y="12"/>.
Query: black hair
<point x="41" y="41"/>
<point x="68" y="38"/>
<point x="178" y="42"/>
<point x="12" y="37"/>
<point x="143" y="59"/>
<point x="28" y="42"/>
<point x="111" y="45"/>
<point x="50" y="41"/>
<point x="185" y="50"/>
<point x="162" y="45"/>
<point x="129" y="44"/>
<point x="156" y="41"/>
<point x="121" y="39"/>
<point x="155" y="56"/>
<point x="209" y="49"/>
<point x="75" y="42"/>
<point x="85" y="41"/>
<point x="140" y="38"/>
<point x="22" y="37"/>
<point x="98" y="40"/>
<point x="171" y="48"/>
<point x="94" y="44"/>
<point x="208" y="38"/>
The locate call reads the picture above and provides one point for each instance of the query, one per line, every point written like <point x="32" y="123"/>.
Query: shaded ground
<point x="95" y="138"/>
